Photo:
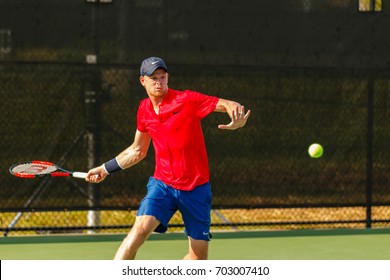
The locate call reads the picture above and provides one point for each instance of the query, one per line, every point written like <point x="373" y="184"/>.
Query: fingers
<point x="95" y="175"/>
<point x="247" y="114"/>
<point x="238" y="118"/>
<point x="239" y="112"/>
<point x="225" y="126"/>
<point x="93" y="178"/>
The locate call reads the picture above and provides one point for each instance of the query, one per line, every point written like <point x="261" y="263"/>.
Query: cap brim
<point x="154" y="68"/>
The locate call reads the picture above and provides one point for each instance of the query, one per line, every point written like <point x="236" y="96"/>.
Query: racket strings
<point x="33" y="168"/>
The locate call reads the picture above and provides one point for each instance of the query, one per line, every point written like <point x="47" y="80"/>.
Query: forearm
<point x="226" y="106"/>
<point x="131" y="156"/>
<point x="136" y="152"/>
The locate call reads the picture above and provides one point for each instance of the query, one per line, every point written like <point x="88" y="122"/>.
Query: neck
<point x="156" y="101"/>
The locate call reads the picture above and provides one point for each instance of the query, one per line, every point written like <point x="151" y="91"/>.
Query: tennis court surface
<point x="340" y="244"/>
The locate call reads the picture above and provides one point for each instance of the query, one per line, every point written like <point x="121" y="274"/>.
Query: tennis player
<point x="171" y="119"/>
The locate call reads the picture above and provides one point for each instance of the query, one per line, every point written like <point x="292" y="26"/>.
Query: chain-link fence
<point x="310" y="71"/>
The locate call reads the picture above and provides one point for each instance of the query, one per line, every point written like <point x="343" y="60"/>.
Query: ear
<point x="142" y="80"/>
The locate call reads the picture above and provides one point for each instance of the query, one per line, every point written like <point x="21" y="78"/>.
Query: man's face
<point x="156" y="85"/>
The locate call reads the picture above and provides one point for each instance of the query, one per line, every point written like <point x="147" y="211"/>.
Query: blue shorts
<point x="162" y="202"/>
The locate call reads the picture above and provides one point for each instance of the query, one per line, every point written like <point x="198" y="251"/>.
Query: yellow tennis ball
<point x="315" y="150"/>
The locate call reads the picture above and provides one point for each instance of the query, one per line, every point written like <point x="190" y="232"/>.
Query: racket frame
<point x="57" y="172"/>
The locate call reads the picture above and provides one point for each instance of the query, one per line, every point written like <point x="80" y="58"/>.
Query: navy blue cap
<point x="150" y="65"/>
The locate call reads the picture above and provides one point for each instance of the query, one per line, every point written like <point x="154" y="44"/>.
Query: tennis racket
<point x="36" y="168"/>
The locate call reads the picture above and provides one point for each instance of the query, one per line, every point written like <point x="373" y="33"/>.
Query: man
<point x="172" y="120"/>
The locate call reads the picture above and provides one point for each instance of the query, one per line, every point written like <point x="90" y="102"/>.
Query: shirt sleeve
<point x="205" y="103"/>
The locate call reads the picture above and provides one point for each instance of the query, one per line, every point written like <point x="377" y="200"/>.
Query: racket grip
<point x="81" y="175"/>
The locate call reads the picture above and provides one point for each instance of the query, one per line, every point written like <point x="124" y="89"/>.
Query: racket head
<point x="32" y="169"/>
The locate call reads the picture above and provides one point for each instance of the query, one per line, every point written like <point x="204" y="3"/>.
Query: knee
<point x="195" y="256"/>
<point x="198" y="256"/>
<point x="198" y="250"/>
<point x="143" y="227"/>
<point x="139" y="232"/>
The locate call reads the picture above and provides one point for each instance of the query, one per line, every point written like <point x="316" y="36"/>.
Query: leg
<point x="195" y="207"/>
<point x="143" y="227"/>
<point x="156" y="207"/>
<point x="198" y="249"/>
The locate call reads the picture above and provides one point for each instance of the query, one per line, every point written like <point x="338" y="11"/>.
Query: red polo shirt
<point x="181" y="157"/>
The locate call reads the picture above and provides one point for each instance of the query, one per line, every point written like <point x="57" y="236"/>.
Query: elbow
<point x="142" y="155"/>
